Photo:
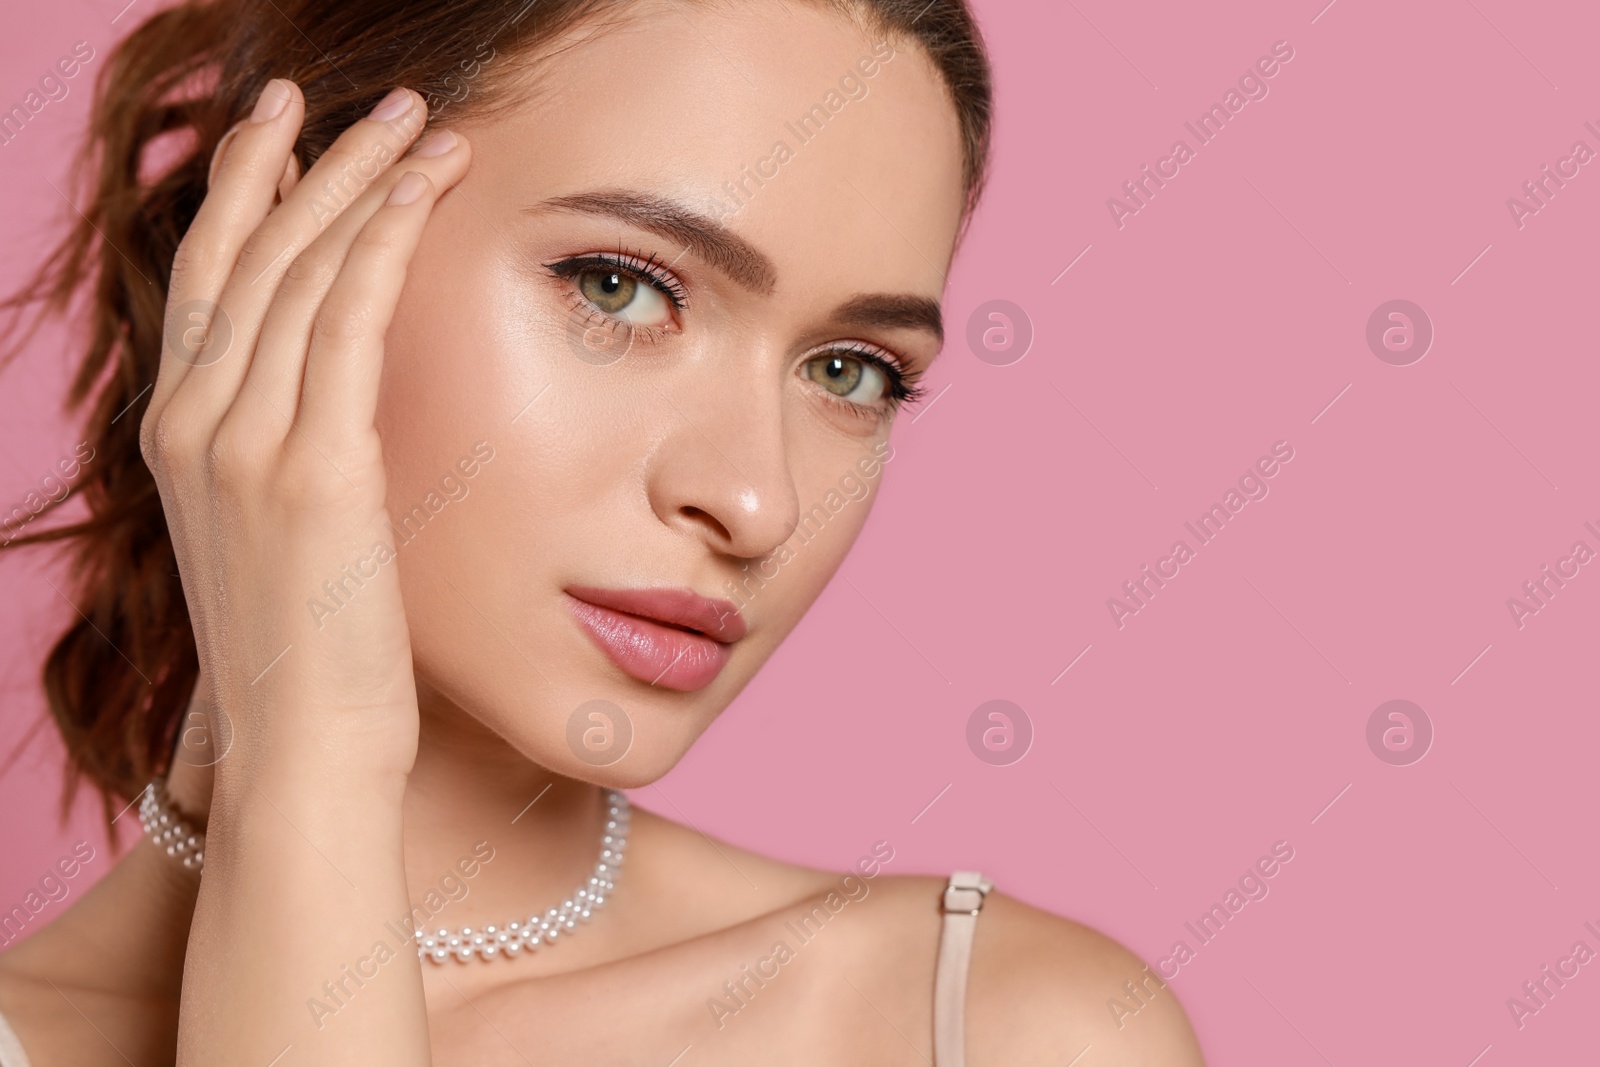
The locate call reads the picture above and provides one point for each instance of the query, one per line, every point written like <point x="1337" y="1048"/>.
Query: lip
<point x="673" y="638"/>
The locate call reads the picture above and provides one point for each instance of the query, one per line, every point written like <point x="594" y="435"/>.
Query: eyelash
<point x="648" y="269"/>
<point x="903" y="384"/>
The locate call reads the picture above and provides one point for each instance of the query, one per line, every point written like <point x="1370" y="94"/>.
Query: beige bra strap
<point x="963" y="899"/>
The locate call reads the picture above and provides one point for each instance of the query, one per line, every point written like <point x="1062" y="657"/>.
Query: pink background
<point x="1227" y="715"/>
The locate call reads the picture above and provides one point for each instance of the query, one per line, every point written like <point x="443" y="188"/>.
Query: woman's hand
<point x="260" y="430"/>
<point x="260" y="434"/>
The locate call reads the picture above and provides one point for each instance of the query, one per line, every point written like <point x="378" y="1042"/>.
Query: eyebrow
<point x="893" y="312"/>
<point x="700" y="234"/>
<point x="741" y="261"/>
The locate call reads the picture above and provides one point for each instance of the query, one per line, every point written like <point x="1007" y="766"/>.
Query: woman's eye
<point x="625" y="297"/>
<point x="849" y="378"/>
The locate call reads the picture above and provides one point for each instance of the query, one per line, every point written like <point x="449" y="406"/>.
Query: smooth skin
<point x="368" y="750"/>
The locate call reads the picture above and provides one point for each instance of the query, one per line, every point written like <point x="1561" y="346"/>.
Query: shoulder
<point x="102" y="977"/>
<point x="1041" y="987"/>
<point x="37" y="1001"/>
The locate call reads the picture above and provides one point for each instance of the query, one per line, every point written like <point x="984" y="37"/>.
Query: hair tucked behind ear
<point x="119" y="678"/>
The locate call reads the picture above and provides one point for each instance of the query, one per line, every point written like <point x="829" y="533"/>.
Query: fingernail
<point x="437" y="145"/>
<point x="392" y="106"/>
<point x="408" y="188"/>
<point x="270" y="104"/>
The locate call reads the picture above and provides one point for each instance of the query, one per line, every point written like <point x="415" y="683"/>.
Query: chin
<point x="631" y="734"/>
<point x="618" y="741"/>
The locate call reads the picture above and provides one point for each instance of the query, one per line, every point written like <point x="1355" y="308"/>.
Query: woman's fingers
<point x="245" y="171"/>
<point x="345" y="358"/>
<point x="355" y="161"/>
<point x="221" y="150"/>
<point x="272" y="392"/>
<point x="291" y="177"/>
<point x="291" y="170"/>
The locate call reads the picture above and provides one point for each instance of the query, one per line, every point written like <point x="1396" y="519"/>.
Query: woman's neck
<point x="528" y="836"/>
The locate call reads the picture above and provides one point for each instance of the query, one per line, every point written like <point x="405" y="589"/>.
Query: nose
<point x="722" y="469"/>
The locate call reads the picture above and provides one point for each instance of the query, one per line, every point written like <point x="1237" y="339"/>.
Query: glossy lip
<point x="659" y="636"/>
<point x="717" y="619"/>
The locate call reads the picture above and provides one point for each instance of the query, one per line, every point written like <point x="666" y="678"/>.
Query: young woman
<point x="482" y="420"/>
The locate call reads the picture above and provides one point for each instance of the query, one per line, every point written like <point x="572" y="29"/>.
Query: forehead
<point x="833" y="150"/>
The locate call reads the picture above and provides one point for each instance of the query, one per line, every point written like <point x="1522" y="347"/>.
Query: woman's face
<point x="654" y="341"/>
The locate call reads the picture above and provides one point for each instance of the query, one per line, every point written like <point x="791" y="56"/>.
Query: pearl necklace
<point x="166" y="829"/>
<point x="540" y="930"/>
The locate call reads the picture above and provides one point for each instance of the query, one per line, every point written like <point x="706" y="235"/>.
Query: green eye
<point x="849" y="377"/>
<point x="836" y="373"/>
<point x="610" y="291"/>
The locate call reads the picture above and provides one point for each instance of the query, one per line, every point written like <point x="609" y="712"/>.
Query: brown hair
<point x="120" y="677"/>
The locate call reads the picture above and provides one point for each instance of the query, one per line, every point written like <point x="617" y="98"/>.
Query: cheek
<point x="455" y="378"/>
<point x="453" y="348"/>
<point x="473" y="360"/>
<point x="469" y="348"/>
